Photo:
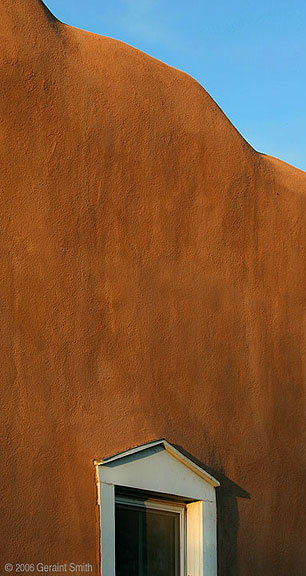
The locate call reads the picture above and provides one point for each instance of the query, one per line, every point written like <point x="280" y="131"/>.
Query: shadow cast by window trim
<point x="227" y="495"/>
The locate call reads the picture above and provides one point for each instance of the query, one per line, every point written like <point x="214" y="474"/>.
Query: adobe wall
<point x="153" y="285"/>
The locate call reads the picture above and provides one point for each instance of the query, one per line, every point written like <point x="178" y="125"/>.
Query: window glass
<point x="147" y="541"/>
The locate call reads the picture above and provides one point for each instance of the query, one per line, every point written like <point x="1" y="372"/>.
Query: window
<point x="149" y="537"/>
<point x="157" y="514"/>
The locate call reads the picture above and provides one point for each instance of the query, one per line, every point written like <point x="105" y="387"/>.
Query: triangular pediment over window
<point x="160" y="467"/>
<point x="157" y="476"/>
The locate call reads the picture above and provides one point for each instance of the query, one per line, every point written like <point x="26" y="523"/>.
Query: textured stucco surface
<point x="153" y="285"/>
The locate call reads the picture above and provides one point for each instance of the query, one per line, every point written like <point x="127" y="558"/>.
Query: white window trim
<point x="160" y="468"/>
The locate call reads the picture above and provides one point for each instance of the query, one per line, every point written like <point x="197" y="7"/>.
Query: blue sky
<point x="250" y="55"/>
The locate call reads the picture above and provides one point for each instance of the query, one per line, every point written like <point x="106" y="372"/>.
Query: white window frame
<point x="159" y="468"/>
<point x="154" y="504"/>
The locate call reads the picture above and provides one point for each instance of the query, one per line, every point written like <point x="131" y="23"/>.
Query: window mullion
<point x="140" y="544"/>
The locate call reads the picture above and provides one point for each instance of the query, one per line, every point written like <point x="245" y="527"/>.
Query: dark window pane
<point x="161" y="543"/>
<point x="147" y="542"/>
<point x="127" y="538"/>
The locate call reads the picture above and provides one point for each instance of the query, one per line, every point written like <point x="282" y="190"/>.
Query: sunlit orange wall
<point x="153" y="285"/>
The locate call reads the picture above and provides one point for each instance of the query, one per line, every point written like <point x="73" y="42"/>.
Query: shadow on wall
<point x="228" y="524"/>
<point x="228" y="517"/>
